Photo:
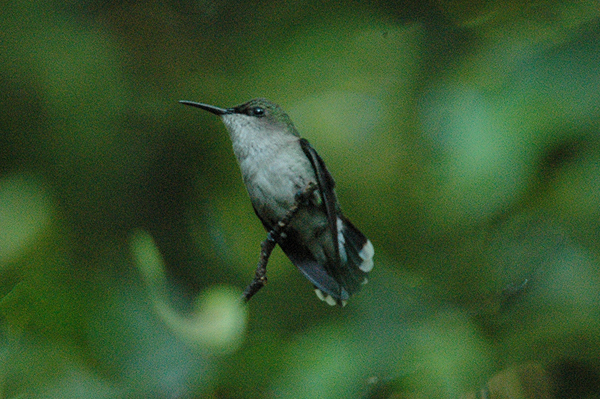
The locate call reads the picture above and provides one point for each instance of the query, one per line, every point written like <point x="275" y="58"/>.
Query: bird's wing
<point x="326" y="185"/>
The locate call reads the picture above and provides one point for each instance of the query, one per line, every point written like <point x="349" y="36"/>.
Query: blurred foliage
<point x="465" y="140"/>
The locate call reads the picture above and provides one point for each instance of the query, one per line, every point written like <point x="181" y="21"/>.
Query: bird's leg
<point x="267" y="246"/>
<point x="302" y="197"/>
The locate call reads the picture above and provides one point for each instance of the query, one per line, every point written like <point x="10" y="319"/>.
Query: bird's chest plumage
<point x="273" y="177"/>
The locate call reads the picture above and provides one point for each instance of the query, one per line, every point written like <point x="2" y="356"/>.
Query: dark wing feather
<point x="326" y="185"/>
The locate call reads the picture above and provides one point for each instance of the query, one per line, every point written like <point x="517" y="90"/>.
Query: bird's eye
<point x="256" y="111"/>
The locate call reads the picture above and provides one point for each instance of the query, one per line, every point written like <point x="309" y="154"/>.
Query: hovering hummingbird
<point x="279" y="167"/>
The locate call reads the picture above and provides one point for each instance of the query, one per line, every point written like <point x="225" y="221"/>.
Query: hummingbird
<point x="277" y="167"/>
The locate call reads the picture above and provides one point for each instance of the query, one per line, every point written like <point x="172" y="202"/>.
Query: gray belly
<point x="275" y="193"/>
<point x="273" y="184"/>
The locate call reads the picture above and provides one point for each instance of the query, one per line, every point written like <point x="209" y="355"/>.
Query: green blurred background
<point x="465" y="141"/>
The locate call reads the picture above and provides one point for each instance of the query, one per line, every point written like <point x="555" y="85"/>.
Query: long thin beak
<point x="206" y="107"/>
